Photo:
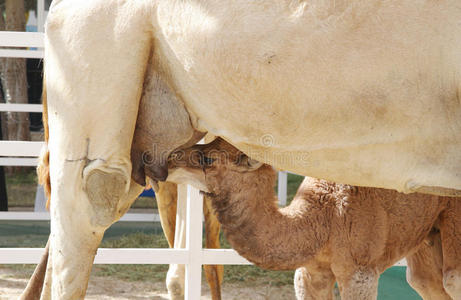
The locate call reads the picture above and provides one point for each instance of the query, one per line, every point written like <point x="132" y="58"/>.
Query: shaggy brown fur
<point x="334" y="232"/>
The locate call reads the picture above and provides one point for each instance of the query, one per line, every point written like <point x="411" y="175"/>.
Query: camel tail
<point x="35" y="286"/>
<point x="43" y="168"/>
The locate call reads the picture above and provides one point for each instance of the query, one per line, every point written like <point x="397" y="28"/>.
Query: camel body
<point x="359" y="92"/>
<point x="363" y="93"/>
<point x="331" y="232"/>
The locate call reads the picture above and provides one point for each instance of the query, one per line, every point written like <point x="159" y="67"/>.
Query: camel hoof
<point x="175" y="291"/>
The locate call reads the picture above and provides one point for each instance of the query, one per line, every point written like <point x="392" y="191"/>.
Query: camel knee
<point x="452" y="283"/>
<point x="363" y="284"/>
<point x="105" y="188"/>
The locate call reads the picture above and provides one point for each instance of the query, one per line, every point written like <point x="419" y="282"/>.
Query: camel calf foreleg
<point x="213" y="273"/>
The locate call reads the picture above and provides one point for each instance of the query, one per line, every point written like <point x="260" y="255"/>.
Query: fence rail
<point x="38" y="108"/>
<point x="10" y="39"/>
<point x="15" y="39"/>
<point x="45" y="216"/>
<point x="132" y="256"/>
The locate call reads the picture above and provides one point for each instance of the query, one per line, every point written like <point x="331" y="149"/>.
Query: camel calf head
<point x="208" y="166"/>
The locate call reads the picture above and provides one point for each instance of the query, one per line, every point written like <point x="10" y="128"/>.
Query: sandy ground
<point x="104" y="288"/>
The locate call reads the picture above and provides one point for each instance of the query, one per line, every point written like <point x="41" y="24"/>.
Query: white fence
<point x="20" y="153"/>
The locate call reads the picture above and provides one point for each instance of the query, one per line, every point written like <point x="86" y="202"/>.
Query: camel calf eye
<point x="207" y="161"/>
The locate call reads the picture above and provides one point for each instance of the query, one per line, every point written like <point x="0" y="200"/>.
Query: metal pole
<point x="40" y="15"/>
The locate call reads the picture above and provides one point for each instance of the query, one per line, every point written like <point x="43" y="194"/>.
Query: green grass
<point x="21" y="187"/>
<point x="145" y="202"/>
<point x="293" y="183"/>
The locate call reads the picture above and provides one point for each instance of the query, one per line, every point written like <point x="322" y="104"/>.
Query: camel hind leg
<point x="167" y="198"/>
<point x="450" y="232"/>
<point x="424" y="269"/>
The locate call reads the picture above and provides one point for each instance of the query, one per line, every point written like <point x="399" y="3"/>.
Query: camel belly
<point x="365" y="100"/>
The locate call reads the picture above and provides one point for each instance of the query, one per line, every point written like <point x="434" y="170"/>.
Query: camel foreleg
<point x="94" y="83"/>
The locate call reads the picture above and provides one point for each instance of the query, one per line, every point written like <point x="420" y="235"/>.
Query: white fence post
<point x="282" y="188"/>
<point x="193" y="284"/>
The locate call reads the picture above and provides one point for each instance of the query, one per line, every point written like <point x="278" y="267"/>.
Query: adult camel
<point x="359" y="92"/>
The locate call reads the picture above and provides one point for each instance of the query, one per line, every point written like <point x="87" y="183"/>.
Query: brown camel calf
<point x="330" y="232"/>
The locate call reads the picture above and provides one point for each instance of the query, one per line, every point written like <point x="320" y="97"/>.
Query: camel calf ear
<point x="254" y="164"/>
<point x="248" y="164"/>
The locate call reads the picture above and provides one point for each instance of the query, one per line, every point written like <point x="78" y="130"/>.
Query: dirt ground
<point x="104" y="288"/>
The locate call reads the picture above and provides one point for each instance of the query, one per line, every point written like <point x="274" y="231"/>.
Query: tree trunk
<point x="3" y="193"/>
<point x="2" y="66"/>
<point x="14" y="76"/>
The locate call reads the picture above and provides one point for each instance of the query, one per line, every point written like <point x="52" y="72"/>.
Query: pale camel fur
<point x="330" y="89"/>
<point x="330" y="232"/>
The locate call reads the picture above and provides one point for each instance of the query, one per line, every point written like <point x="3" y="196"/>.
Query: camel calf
<point x="330" y="232"/>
